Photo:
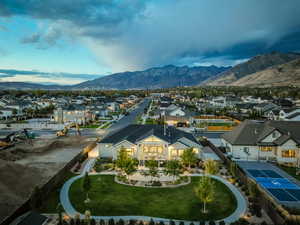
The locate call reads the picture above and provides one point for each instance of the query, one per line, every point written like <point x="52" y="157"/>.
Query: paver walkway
<point x="70" y="210"/>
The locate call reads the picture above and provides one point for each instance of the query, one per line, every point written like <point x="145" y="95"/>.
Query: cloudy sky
<point x="69" y="41"/>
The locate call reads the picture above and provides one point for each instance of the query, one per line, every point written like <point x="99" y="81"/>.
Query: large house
<point x="145" y="142"/>
<point x="72" y="114"/>
<point x="277" y="141"/>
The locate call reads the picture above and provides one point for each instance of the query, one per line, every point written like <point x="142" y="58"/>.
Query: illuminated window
<point x="288" y="153"/>
<point x="266" y="148"/>
<point x="129" y="151"/>
<point x="174" y="152"/>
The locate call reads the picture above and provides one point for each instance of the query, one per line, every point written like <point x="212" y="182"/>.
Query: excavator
<point x="15" y="137"/>
<point x="64" y="132"/>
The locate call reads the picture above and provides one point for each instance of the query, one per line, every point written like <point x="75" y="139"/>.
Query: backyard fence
<point x="274" y="210"/>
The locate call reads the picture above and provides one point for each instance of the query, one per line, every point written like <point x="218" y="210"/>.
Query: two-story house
<point x="264" y="140"/>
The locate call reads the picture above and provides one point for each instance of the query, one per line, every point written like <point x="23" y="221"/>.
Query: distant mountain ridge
<point x="158" y="77"/>
<point x="286" y="74"/>
<point x="30" y="86"/>
<point x="278" y="69"/>
<point x="255" y="64"/>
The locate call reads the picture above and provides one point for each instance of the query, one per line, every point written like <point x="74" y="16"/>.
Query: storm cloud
<point x="137" y="34"/>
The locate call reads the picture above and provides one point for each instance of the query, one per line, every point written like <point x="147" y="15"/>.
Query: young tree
<point x="189" y="157"/>
<point x="205" y="191"/>
<point x="122" y="158"/>
<point x="86" y="185"/>
<point x="153" y="168"/>
<point x="211" y="167"/>
<point x="125" y="162"/>
<point x="233" y="168"/>
<point x="130" y="167"/>
<point x="173" y="168"/>
<point x="111" y="221"/>
<point x="87" y="217"/>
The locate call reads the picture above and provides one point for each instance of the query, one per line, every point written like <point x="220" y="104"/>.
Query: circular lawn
<point x="109" y="198"/>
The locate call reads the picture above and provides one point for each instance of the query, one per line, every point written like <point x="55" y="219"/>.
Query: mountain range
<point x="237" y="74"/>
<point x="271" y="69"/>
<point x="158" y="77"/>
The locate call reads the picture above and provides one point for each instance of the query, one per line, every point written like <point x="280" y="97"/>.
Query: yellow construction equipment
<point x="65" y="131"/>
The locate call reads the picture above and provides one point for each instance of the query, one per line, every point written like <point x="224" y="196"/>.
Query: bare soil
<point x="27" y="165"/>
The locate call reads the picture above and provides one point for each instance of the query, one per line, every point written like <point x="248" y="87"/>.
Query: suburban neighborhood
<point x="248" y="146"/>
<point x="141" y="112"/>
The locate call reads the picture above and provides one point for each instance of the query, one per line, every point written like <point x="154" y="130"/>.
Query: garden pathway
<point x="70" y="210"/>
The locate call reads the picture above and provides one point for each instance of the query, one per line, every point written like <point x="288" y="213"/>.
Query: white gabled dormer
<point x="272" y="136"/>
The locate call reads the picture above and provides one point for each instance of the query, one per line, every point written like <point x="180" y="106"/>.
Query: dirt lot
<point x="27" y="165"/>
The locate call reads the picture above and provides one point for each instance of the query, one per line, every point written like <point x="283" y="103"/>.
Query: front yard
<point x="111" y="199"/>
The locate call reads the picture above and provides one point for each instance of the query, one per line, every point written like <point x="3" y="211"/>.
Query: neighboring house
<point x="174" y="111"/>
<point x="6" y="113"/>
<point x="73" y="113"/>
<point x="284" y="103"/>
<point x="290" y="114"/>
<point x="145" y="142"/>
<point x="227" y="101"/>
<point x="265" y="108"/>
<point x="164" y="106"/>
<point x="20" y="106"/>
<point x="264" y="140"/>
<point x="3" y="103"/>
<point x="113" y="106"/>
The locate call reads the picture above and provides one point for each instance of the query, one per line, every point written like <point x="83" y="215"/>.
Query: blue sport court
<point x="281" y="188"/>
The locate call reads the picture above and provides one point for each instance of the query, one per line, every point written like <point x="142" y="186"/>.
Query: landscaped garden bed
<point x="109" y="198"/>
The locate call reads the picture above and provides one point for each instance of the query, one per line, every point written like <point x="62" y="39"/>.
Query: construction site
<point x="28" y="161"/>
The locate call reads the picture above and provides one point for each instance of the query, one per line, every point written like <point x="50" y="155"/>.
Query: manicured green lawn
<point x="50" y="204"/>
<point x="111" y="199"/>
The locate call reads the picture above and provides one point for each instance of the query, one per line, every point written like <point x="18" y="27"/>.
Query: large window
<point x="153" y="149"/>
<point x="266" y="148"/>
<point x="288" y="153"/>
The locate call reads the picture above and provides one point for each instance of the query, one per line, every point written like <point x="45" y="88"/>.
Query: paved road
<point x="127" y="120"/>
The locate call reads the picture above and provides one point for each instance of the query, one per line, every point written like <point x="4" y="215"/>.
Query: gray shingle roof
<point x="134" y="133"/>
<point x="253" y="132"/>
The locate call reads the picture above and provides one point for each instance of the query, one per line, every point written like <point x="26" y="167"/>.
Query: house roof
<point x="252" y="132"/>
<point x="293" y="115"/>
<point x="134" y="133"/>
